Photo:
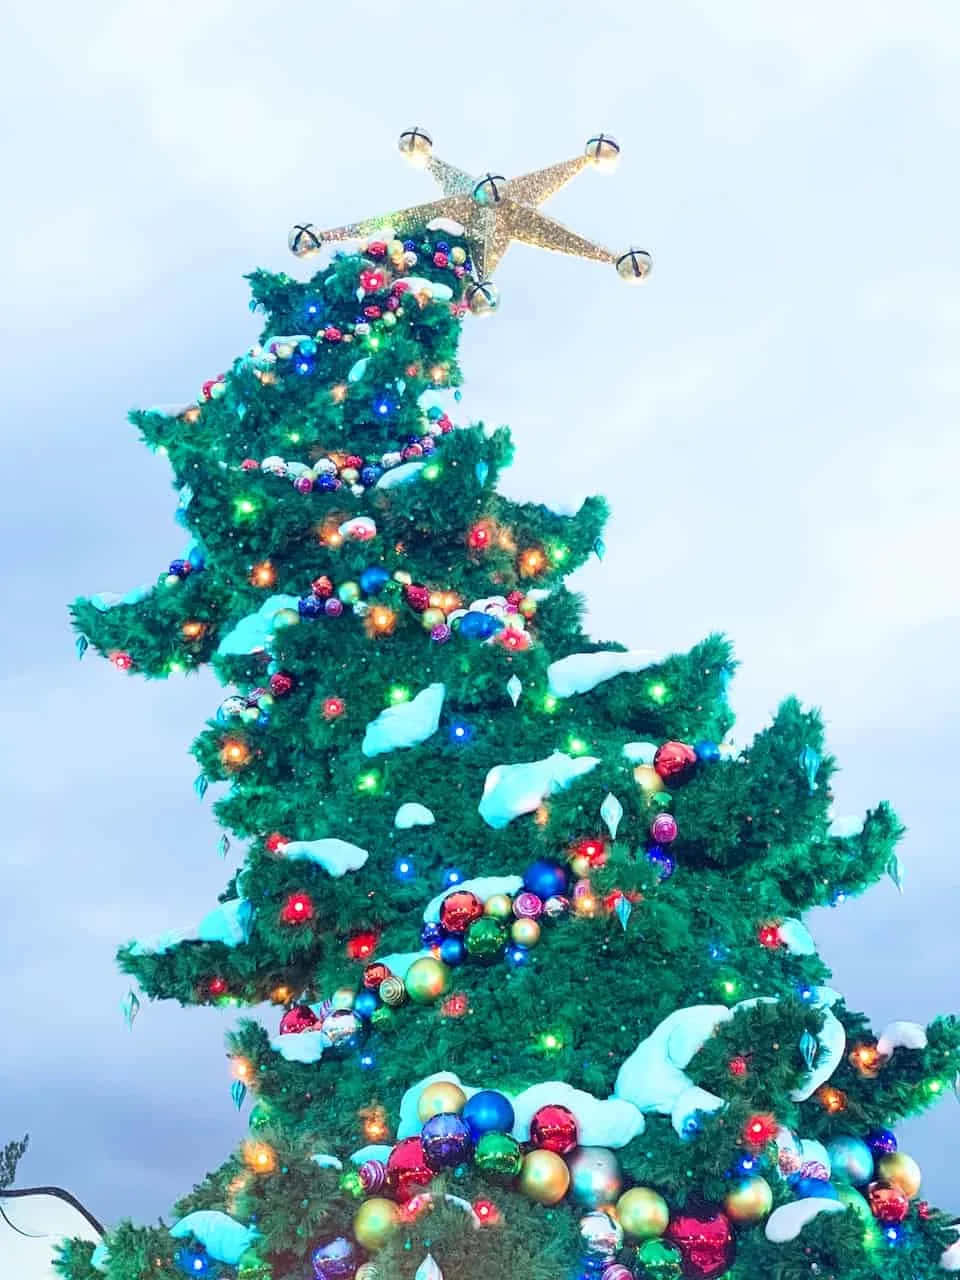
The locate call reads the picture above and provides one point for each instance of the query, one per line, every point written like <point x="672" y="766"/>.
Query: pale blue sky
<point x="773" y="418"/>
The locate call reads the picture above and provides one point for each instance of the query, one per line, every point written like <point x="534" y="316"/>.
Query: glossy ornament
<point x="488" y="1112"/>
<point x="334" y="1261"/>
<point x="601" y="1233"/>
<point x="407" y="1169"/>
<point x="648" y="780"/>
<point x="499" y="906"/>
<point x="749" y="1200"/>
<point x="446" y="1141"/>
<point x="633" y="265"/>
<point x="705" y="1239"/>
<point x="554" y="1128"/>
<point x="546" y="878"/>
<point x="616" y="1271"/>
<point x="498" y="1155"/>
<point x="486" y="939"/>
<point x="525" y="933"/>
<point x="544" y="1177"/>
<point x="298" y="1019"/>
<point x="595" y="1176"/>
<point x="459" y="910"/>
<point x="375" y="1222"/>
<point x="453" y="951"/>
<point x="851" y="1160"/>
<point x="373" y="1176"/>
<point x="527" y="906"/>
<point x="643" y="1213"/>
<point x="482" y="297"/>
<point x="881" y="1141"/>
<point x="663" y="828"/>
<point x="659" y="1260"/>
<point x="340" y="1027"/>
<point x="427" y="980"/>
<point x="416" y="145"/>
<point x="392" y="991"/>
<point x="808" y="1188"/>
<point x="888" y="1204"/>
<point x="442" y="1097"/>
<point x="674" y="761"/>
<point x="902" y="1171"/>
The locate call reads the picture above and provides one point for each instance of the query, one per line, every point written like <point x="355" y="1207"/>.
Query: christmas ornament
<point x="392" y="991"/>
<point x="494" y="211"/>
<point x="298" y="1019"/>
<point x="748" y="1200"/>
<point x="616" y="1271"/>
<point x="485" y="939"/>
<point x="648" y="780"/>
<point x="459" y="910"/>
<point x="554" y="1128"/>
<point x="527" y="905"/>
<point x="881" y="1141"/>
<point x="525" y="933"/>
<point x="674" y="761"/>
<point x="373" y="1176"/>
<point x="482" y="297"/>
<point x="341" y="1027"/>
<point x="334" y="1261"/>
<point x="499" y="906"/>
<point x="602" y="1234"/>
<point x="643" y="1213"/>
<point x="498" y="1155"/>
<point x="888" y="1204"/>
<point x="900" y="1170"/>
<point x="850" y="1160"/>
<point x="453" y="951"/>
<point x="488" y="1112"/>
<point x="659" y="1260"/>
<point x="441" y="1097"/>
<point x="546" y="879"/>
<point x="809" y="1188"/>
<point x="368" y="1271"/>
<point x="595" y="1177"/>
<point x="446" y="1141"/>
<point x="427" y="980"/>
<point x="375" y="1222"/>
<point x="705" y="1240"/>
<point x="407" y="1169"/>
<point x="663" y="828"/>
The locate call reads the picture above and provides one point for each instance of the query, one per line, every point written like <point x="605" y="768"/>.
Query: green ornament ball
<point x="498" y="1155"/>
<point x="351" y="1183"/>
<point x="485" y="939"/>
<point x="427" y="980"/>
<point x="382" y="1015"/>
<point x="659" y="1260"/>
<point x="349" y="592"/>
<point x="259" y="1117"/>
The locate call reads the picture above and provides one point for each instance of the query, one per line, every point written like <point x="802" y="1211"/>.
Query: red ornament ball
<point x="888" y="1204"/>
<point x="371" y="280"/>
<point x="417" y="597"/>
<point x="459" y="910"/>
<point x="673" y="760"/>
<point x="374" y="974"/>
<point x="768" y="935"/>
<point x="332" y="333"/>
<point x="298" y="1019"/>
<point x="407" y="1169"/>
<point x="322" y="587"/>
<point x="705" y="1239"/>
<point x="737" y="1066"/>
<point x="249" y="464"/>
<point x="554" y="1128"/>
<point x="297" y="909"/>
<point x="281" y="682"/>
<point x="217" y="986"/>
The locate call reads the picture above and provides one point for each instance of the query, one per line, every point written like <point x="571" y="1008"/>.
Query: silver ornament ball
<point x="601" y="1234"/>
<point x="633" y="265"/>
<point x="603" y="150"/>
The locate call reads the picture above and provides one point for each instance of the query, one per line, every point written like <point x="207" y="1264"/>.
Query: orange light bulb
<point x="263" y="574"/>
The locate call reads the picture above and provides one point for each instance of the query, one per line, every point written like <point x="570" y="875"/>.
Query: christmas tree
<point x="532" y="926"/>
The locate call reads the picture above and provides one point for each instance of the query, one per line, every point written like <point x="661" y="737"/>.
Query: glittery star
<point x="493" y="210"/>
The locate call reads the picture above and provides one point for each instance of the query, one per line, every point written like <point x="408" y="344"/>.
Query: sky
<point x="773" y="417"/>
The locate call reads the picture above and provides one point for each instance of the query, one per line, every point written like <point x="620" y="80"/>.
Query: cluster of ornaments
<point x="350" y="471"/>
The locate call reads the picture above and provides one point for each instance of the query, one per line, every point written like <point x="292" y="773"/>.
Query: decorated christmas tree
<point x="544" y="1003"/>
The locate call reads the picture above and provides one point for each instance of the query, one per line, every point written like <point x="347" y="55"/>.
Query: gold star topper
<point x="493" y="211"/>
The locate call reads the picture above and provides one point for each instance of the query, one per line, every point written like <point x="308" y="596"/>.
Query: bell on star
<point x="489" y="190"/>
<point x="634" y="265"/>
<point x="416" y="145"/>
<point x="603" y="150"/>
<point x="482" y="298"/>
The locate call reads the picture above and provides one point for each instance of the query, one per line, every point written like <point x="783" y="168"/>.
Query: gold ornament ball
<point x="643" y="1213"/>
<point x="633" y="265"/>
<point x="482" y="297"/>
<point x="902" y="1171"/>
<point x="499" y="906"/>
<point x="647" y="779"/>
<point x="525" y="932"/>
<point x="375" y="1222"/>
<point x="443" y="1097"/>
<point x="544" y="1177"/>
<point x="749" y="1200"/>
<point x="603" y="150"/>
<point x="416" y="144"/>
<point x="431" y="618"/>
<point x="580" y="865"/>
<point x="427" y="980"/>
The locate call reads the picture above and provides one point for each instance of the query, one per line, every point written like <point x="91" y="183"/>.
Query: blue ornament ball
<point x="326" y="483"/>
<point x="851" y="1160"/>
<point x="432" y="934"/>
<point x="364" y="1004"/>
<point x="488" y="1112"/>
<point x="453" y="951"/>
<point x="334" y="1261"/>
<point x="707" y="752"/>
<point x="310" y="606"/>
<point x="663" y="863"/>
<point x="479" y="626"/>
<point x="197" y="557"/>
<point x="808" y="1188"/>
<point x="179" y="568"/>
<point x="882" y="1142"/>
<point x="446" y="1141"/>
<point x="192" y="1262"/>
<point x="373" y="580"/>
<point x="370" y="475"/>
<point x="546" y="879"/>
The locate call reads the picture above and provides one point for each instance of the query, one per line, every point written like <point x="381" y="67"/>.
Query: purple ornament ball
<point x="333" y="607"/>
<point x="373" y="1174"/>
<point x="882" y="1142"/>
<point x="663" y="828"/>
<point x="446" y="1141"/>
<point x="334" y="1261"/>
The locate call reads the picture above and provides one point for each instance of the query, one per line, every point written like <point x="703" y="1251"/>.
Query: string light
<point x="263" y="574"/>
<point x="832" y="1100"/>
<point x="244" y="508"/>
<point x="657" y="692"/>
<point x="768" y="935"/>
<point x="431" y="471"/>
<point x="486" y="1212"/>
<point x="193" y="630"/>
<point x="403" y="869"/>
<point x="480" y="537"/>
<point x="381" y="620"/>
<point x="452" y="876"/>
<point x="865" y="1058"/>
<point x="259" y="1157"/>
<point x="576" y="746"/>
<point x="338" y="393"/>
<point x="455" y="1006"/>
<point x="532" y="562"/>
<point x="333" y="707"/>
<point x="217" y="986"/>
<point x="549" y="703"/>
<point x="122" y="661"/>
<point x="550" y="1042"/>
<point x="242" y="1069"/>
<point x="297" y="909"/>
<point x="375" y="1127"/>
<point x="461" y="733"/>
<point x="234" y="753"/>
<point x="362" y="946"/>
<point x="368" y="782"/>
<point x="281" y="995"/>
